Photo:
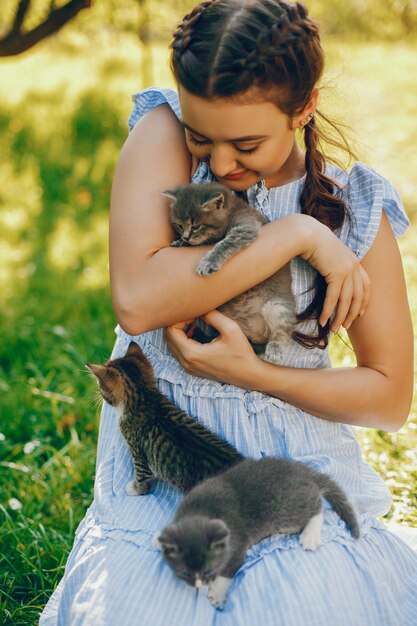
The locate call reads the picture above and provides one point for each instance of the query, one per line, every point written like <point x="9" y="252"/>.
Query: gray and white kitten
<point x="211" y="213"/>
<point x="221" y="517"/>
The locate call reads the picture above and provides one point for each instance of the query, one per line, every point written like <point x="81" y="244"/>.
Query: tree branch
<point x="16" y="41"/>
<point x="20" y="15"/>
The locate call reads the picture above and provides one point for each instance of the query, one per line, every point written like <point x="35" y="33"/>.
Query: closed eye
<point x="198" y="142"/>
<point x="249" y="151"/>
<point x="178" y="227"/>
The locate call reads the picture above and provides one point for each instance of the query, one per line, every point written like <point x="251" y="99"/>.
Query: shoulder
<point x="156" y="133"/>
<point x="152" y="98"/>
<point x="367" y="194"/>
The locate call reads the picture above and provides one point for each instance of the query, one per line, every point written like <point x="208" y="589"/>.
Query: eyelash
<point x="204" y="143"/>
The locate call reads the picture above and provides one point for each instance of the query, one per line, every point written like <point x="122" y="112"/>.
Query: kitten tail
<point x="339" y="503"/>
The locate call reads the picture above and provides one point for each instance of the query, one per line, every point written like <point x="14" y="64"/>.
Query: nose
<point x="222" y="161"/>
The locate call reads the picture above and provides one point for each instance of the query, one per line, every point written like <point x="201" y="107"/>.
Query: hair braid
<point x="181" y="38"/>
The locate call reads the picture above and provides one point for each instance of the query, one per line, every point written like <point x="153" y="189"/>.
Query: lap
<point x="367" y="582"/>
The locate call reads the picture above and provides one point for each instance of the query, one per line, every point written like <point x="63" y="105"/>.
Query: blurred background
<point x="67" y="71"/>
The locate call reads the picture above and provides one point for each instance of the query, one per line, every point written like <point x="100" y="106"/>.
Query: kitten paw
<point x="310" y="538"/>
<point x="177" y="243"/>
<point x="217" y="591"/>
<point x="206" y="267"/>
<point x="273" y="353"/>
<point x="155" y="543"/>
<point x="133" y="488"/>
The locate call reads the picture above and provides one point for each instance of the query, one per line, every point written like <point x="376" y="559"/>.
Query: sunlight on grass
<point x="69" y="243"/>
<point x="379" y="101"/>
<point x="61" y="130"/>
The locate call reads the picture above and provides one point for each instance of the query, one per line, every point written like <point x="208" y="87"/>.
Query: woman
<point x="247" y="75"/>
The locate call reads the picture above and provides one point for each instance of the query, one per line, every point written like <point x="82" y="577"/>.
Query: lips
<point x="236" y="176"/>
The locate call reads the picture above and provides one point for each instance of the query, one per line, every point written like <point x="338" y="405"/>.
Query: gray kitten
<point x="164" y="441"/>
<point x="221" y="517"/>
<point x="211" y="213"/>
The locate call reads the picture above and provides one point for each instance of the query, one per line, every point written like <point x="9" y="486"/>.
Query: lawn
<point x="61" y="130"/>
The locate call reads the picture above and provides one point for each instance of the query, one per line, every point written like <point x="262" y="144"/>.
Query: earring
<point x="306" y="120"/>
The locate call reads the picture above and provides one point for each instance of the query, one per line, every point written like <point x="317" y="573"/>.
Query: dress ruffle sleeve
<point x="149" y="99"/>
<point x="367" y="193"/>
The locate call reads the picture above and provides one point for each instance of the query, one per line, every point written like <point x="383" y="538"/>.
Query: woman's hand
<point x="348" y="284"/>
<point x="229" y="358"/>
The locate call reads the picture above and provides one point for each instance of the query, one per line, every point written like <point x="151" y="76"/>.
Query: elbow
<point x="397" y="415"/>
<point x="131" y="316"/>
<point x="397" y="419"/>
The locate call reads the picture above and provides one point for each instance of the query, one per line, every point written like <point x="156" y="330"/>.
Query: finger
<point x="357" y="301"/>
<point x="367" y="284"/>
<point x="220" y="322"/>
<point x="176" y="337"/>
<point x="182" y="325"/>
<point x="343" y="305"/>
<point x="330" y="301"/>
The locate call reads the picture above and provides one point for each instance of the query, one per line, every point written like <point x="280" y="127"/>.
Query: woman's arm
<point x="377" y="393"/>
<point x="154" y="285"/>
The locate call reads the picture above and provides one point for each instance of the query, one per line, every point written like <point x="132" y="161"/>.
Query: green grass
<point x="61" y="131"/>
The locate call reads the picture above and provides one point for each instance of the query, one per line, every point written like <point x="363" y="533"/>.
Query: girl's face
<point x="243" y="141"/>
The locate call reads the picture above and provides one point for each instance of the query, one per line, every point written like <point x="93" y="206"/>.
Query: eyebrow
<point x="246" y="138"/>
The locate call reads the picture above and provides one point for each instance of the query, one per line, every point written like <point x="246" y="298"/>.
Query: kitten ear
<point x="99" y="371"/>
<point x="105" y="375"/>
<point x="218" y="536"/>
<point x="135" y="349"/>
<point x="167" y="541"/>
<point x="170" y="193"/>
<point x="216" y="202"/>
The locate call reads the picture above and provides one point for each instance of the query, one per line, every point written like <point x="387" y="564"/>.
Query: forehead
<point x="225" y="118"/>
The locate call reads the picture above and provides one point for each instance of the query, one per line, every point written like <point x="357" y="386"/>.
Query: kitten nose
<point x="186" y="235"/>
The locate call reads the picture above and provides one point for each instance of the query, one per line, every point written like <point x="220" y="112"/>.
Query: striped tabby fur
<point x="164" y="441"/>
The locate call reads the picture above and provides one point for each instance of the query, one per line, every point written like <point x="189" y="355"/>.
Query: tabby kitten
<point x="219" y="519"/>
<point x="164" y="441"/>
<point x="211" y="213"/>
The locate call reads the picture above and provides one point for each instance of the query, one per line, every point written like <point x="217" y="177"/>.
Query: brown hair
<point x="225" y="47"/>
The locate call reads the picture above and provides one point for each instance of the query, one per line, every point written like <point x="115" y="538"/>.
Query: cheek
<point x="276" y="156"/>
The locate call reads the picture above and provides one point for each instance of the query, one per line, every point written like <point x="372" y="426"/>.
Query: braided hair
<point x="222" y="48"/>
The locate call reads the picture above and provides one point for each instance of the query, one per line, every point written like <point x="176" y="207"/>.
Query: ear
<point x="217" y="201"/>
<point x="218" y="535"/>
<point x="170" y="193"/>
<point x="99" y="371"/>
<point x="134" y="349"/>
<point x="167" y="541"/>
<point x="105" y="375"/>
<point x="303" y="117"/>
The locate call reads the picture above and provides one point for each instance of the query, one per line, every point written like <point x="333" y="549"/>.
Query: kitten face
<point x="198" y="213"/>
<point x="111" y="376"/>
<point x="196" y="548"/>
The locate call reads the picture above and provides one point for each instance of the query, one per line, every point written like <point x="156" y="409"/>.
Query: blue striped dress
<point x="115" y="575"/>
